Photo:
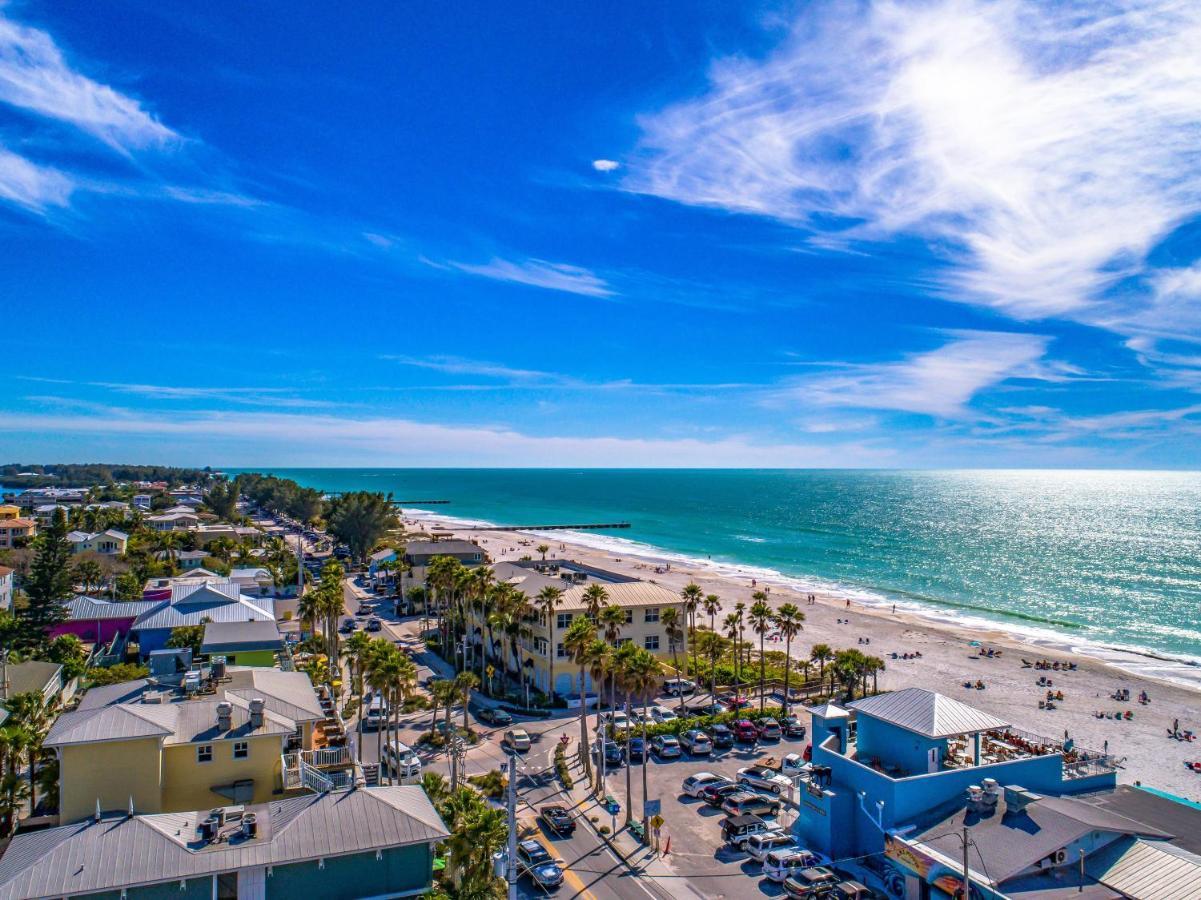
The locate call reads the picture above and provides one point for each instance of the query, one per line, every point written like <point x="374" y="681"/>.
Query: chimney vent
<point x="225" y="715"/>
<point x="256" y="712"/>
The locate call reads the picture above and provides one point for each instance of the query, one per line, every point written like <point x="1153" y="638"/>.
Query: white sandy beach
<point x="947" y="661"/>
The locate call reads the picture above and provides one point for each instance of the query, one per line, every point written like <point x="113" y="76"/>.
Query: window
<point x="652" y="614"/>
<point x="241" y="749"/>
<point x="540" y="646"/>
<point x="204" y="753"/>
<point x="561" y="652"/>
<point x="629" y="617"/>
<point x="651" y="642"/>
<point x="563" y="621"/>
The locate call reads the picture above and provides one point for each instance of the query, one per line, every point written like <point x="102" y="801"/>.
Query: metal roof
<point x="204" y="601"/>
<point x="122" y="851"/>
<point x="1156" y="810"/>
<point x="927" y="713"/>
<point x="442" y="548"/>
<point x="221" y="637"/>
<point x="31" y="675"/>
<point x="84" y="608"/>
<point x="104" y="723"/>
<point x="1147" y="870"/>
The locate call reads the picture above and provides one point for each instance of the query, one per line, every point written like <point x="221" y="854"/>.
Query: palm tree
<point x="442" y="693"/>
<point x="730" y="626"/>
<point x="484" y="598"/>
<point x="14" y="791"/>
<point x="740" y="614"/>
<point x="548" y="598"/>
<point x="599" y="658"/>
<point x="30" y="713"/>
<point x="578" y="642"/>
<point x="622" y="667"/>
<point x="379" y="665"/>
<point x="595" y="596"/>
<point x="543" y="550"/>
<point x="88" y="574"/>
<point x="675" y="634"/>
<point x="788" y="620"/>
<point x="643" y="673"/>
<point x="712" y="608"/>
<point x="761" y="621"/>
<point x="821" y="654"/>
<point x="612" y="618"/>
<point x="692" y="594"/>
<point x="356" y="650"/>
<point x="875" y="665"/>
<point x="464" y="683"/>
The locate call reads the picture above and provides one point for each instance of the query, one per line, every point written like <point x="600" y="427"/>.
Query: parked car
<point x="618" y="719"/>
<point x="636" y="749"/>
<point x="557" y="819"/>
<point x="377" y="712"/>
<point x="765" y="778"/>
<point x="735" y="830"/>
<point x="709" y="709"/>
<point x="733" y="700"/>
<point x="769" y="730"/>
<point x="748" y="803"/>
<point x="492" y="716"/>
<point x="374" y="624"/>
<point x="793" y="727"/>
<point x="613" y="755"/>
<point x="517" y="739"/>
<point x="794" y="764"/>
<point x="661" y="714"/>
<point x="665" y="746"/>
<point x="366" y="608"/>
<point x="348" y="626"/>
<point x="694" y="784"/>
<point x="807" y="883"/>
<point x="696" y="742"/>
<point x="745" y="731"/>
<point x="679" y="687"/>
<point x="852" y="890"/>
<point x="534" y="860"/>
<point x="782" y="864"/>
<point x="715" y="794"/>
<point x="722" y="736"/>
<point x="401" y="759"/>
<point x="759" y="845"/>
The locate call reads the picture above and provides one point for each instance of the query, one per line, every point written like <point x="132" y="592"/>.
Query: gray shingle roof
<point x="120" y="851"/>
<point x="30" y="675"/>
<point x="927" y="713"/>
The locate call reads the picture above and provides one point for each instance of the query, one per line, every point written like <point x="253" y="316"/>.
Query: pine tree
<point x="48" y="586"/>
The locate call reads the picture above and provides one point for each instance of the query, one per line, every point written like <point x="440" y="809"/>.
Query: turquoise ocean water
<point x="1104" y="558"/>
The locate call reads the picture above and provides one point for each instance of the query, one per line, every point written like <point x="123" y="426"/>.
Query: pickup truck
<point x="765" y="778"/>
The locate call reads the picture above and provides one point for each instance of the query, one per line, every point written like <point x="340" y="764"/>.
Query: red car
<point x="745" y="730"/>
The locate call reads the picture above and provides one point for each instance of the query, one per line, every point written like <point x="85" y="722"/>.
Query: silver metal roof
<point x="84" y="608"/>
<point x="122" y="851"/>
<point x="927" y="713"/>
<point x="258" y="635"/>
<point x="1147" y="870"/>
<point x="206" y="603"/>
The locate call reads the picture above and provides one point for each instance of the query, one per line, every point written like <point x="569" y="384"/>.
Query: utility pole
<point x="299" y="562"/>
<point x="967" y="872"/>
<point x="512" y="810"/>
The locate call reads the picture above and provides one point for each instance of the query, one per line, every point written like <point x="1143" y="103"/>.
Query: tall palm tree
<point x="643" y="673"/>
<point x="464" y="683"/>
<point x="623" y="665"/>
<point x="31" y="714"/>
<point x="484" y="600"/>
<point x="595" y="596"/>
<point x="788" y="620"/>
<point x="599" y="657"/>
<point x="740" y="615"/>
<point x="761" y="620"/>
<point x="612" y="618"/>
<point x="730" y="629"/>
<point x="382" y="668"/>
<point x="578" y="643"/>
<point x="355" y="650"/>
<point x="675" y="634"/>
<point x="821" y="654"/>
<point x="692" y="594"/>
<point x="712" y="608"/>
<point x="442" y="692"/>
<point x="548" y="598"/>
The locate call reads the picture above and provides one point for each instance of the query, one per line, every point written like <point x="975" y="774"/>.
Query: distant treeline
<point x="282" y="496"/>
<point x="27" y="475"/>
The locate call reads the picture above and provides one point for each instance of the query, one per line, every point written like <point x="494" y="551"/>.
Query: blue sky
<point x="895" y="234"/>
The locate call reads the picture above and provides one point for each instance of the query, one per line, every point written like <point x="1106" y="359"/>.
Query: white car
<point x="662" y="714"/>
<point x="764" y="778"/>
<point x="780" y="865"/>
<point x="759" y="845"/>
<point x="694" y="784"/>
<point x="517" y="739"/>
<point x="619" y="720"/>
<point x="402" y="760"/>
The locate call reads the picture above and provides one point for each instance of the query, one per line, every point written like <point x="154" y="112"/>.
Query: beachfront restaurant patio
<point x="889" y="758"/>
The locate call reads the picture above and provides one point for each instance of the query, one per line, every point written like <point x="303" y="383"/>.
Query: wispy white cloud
<point x="939" y="382"/>
<point x="542" y="274"/>
<point x="1044" y="147"/>
<point x="606" y="165"/>
<point x="32" y="186"/>
<point x="250" y="396"/>
<point x="279" y="438"/>
<point x="457" y="365"/>
<point x="35" y="76"/>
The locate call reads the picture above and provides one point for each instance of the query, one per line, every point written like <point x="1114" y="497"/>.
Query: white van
<point x="376" y="715"/>
<point x="782" y="864"/>
<point x="401" y="759"/>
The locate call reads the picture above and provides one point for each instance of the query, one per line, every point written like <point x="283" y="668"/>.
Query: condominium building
<point x="13" y="531"/>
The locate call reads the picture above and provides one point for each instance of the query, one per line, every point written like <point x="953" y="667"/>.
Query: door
<point x="252" y="884"/>
<point x="932" y="760"/>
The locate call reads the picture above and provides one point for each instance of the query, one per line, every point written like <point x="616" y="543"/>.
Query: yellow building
<point x="165" y="752"/>
<point x="643" y="602"/>
<point x="8" y="511"/>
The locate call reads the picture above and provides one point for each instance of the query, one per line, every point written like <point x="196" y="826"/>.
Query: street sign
<point x="491" y="670"/>
<point x="657" y="822"/>
<point x="651" y="807"/>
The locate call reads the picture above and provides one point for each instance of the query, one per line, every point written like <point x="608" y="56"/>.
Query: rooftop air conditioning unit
<point x="152" y="697"/>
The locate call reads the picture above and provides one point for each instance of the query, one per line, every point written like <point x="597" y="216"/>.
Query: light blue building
<point x="885" y="763"/>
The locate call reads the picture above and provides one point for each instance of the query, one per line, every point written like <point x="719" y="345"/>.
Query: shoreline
<point x="948" y="646"/>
